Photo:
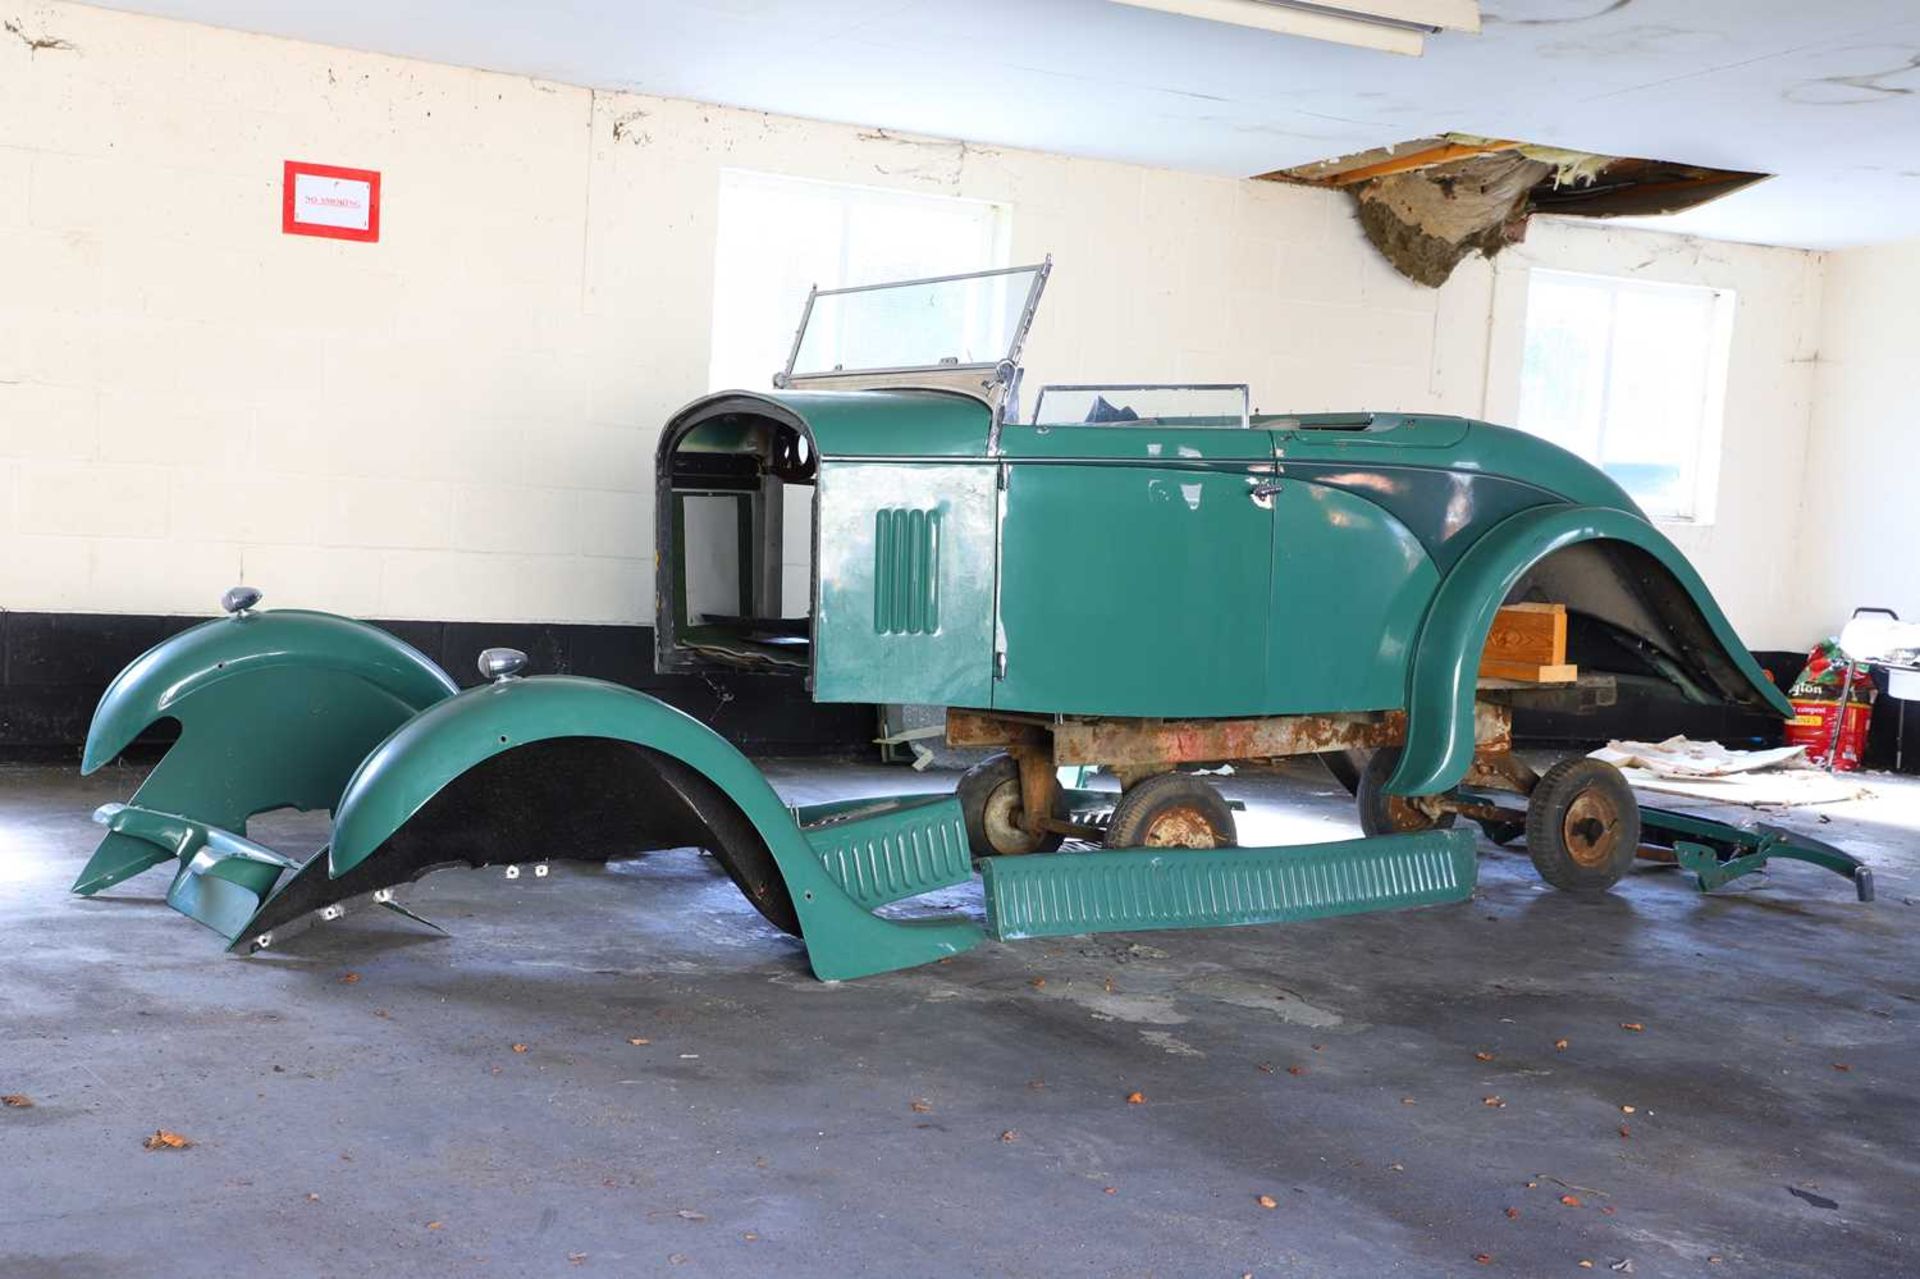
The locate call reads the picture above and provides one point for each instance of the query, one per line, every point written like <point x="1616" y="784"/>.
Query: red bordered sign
<point x="324" y="199"/>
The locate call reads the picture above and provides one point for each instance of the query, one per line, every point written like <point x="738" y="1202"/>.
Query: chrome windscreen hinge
<point x="999" y="663"/>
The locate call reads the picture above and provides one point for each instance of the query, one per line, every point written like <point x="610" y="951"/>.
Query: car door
<point x="1135" y="567"/>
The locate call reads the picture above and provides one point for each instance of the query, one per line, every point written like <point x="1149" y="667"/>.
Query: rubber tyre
<point x="1583" y="826"/>
<point x="989" y="795"/>
<point x="1384" y="814"/>
<point x="1503" y="832"/>
<point x="1171" y="810"/>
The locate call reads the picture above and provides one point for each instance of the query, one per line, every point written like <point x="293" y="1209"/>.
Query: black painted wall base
<point x="54" y="666"/>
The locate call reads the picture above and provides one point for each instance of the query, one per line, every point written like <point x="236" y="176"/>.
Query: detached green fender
<point x="424" y="755"/>
<point x="1446" y="662"/>
<point x="275" y="708"/>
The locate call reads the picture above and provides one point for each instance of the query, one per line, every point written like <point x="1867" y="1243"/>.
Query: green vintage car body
<point x="1193" y="566"/>
<point x="1167" y="567"/>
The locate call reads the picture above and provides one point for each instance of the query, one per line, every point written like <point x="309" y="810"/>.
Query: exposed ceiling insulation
<point x="1826" y="96"/>
<point x="1427" y="204"/>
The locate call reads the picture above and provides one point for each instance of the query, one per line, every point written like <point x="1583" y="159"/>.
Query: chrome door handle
<point x="1262" y="491"/>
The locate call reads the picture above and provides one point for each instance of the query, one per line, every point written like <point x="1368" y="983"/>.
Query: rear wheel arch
<point x="1638" y="560"/>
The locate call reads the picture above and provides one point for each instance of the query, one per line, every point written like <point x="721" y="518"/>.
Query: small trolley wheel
<point x="1384" y="814"/>
<point x="1171" y="810"/>
<point x="1503" y="832"/>
<point x="1583" y="825"/>
<point x="989" y="794"/>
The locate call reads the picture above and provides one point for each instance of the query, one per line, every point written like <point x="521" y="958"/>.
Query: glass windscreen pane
<point x="969" y="320"/>
<point x="1149" y="405"/>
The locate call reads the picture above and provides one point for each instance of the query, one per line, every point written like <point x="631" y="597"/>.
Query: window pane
<point x="778" y="237"/>
<point x="1623" y="373"/>
<point x="1150" y="405"/>
<point x="965" y="321"/>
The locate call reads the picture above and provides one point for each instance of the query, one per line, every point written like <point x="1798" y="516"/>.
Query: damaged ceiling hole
<point x="1426" y="204"/>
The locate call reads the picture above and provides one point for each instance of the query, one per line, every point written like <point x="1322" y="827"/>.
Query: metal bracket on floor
<point x="1718" y="852"/>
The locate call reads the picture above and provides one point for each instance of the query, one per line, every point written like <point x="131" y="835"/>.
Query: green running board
<point x="1061" y="894"/>
<point x="886" y="850"/>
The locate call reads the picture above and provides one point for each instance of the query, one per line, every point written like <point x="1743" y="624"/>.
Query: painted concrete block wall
<point x="1746" y="550"/>
<point x="1861" y="539"/>
<point x="458" y="422"/>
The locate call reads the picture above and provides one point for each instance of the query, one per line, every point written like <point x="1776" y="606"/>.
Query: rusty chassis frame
<point x="1135" y="749"/>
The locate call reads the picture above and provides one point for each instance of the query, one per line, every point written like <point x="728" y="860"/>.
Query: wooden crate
<point x="1528" y="644"/>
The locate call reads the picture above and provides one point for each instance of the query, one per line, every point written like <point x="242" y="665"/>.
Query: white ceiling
<point x="1826" y="95"/>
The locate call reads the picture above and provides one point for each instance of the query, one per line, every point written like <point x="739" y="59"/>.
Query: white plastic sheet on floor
<point x="1781" y="777"/>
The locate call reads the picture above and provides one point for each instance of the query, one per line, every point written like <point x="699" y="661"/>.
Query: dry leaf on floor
<point x="433" y="1225"/>
<point x="1037" y="982"/>
<point x="164" y="1140"/>
<point x="1483" y="1056"/>
<point x="1009" y="1135"/>
<point x="1625" y="1131"/>
<point x="639" y="1041"/>
<point x="1408" y="1101"/>
<point x="1631" y="1025"/>
<point x="1136" y="1099"/>
<point x="1484" y="1258"/>
<point x="1296" y="1070"/>
<point x="1492" y="1101"/>
<point x="920" y="1106"/>
<point x="519" y="1048"/>
<point x="347" y="979"/>
<point x="1513" y="1214"/>
<point x="1267" y="1201"/>
<point x="17" y="1100"/>
<point x="1586" y="1265"/>
<point x="1841" y="1065"/>
<point x="1559" y="1045"/>
<point x="1111" y="1190"/>
<point x="1571" y="1201"/>
<point x="1626" y="1110"/>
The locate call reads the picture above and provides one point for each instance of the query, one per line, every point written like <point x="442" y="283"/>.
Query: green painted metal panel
<point x="907" y="424"/>
<point x="1135" y="589"/>
<point x="1061" y="894"/>
<point x="1153" y="443"/>
<point x="886" y="850"/>
<point x="407" y="769"/>
<point x="1342" y="636"/>
<point x="905" y="566"/>
<point x="906" y="570"/>
<point x="276" y="710"/>
<point x="222" y="877"/>
<point x="161" y="680"/>
<point x="1445" y="670"/>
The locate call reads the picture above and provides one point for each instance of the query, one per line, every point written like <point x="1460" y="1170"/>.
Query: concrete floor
<point x="358" y="1103"/>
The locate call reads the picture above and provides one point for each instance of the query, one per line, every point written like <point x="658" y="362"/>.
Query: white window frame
<point x="1712" y="420"/>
